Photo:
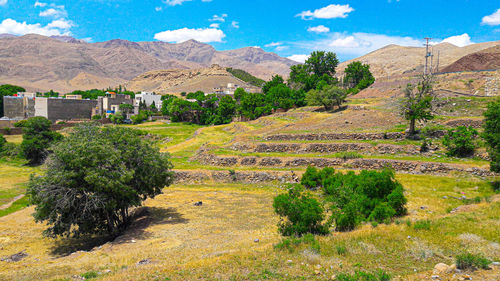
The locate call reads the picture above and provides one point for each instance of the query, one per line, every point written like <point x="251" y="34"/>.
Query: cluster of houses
<point x="72" y="107"/>
<point x="231" y="88"/>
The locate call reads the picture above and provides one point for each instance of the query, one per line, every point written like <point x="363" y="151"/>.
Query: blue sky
<point x="288" y="28"/>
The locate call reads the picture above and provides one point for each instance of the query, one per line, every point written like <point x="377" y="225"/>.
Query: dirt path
<point x="5" y="206"/>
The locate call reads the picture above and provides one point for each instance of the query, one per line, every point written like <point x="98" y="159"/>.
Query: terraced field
<point x="237" y="169"/>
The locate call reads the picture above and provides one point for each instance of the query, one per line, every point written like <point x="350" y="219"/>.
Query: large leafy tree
<point x="328" y="97"/>
<point x="358" y="76"/>
<point x="491" y="134"/>
<point x="417" y="102"/>
<point x="275" y="81"/>
<point x="253" y="105"/>
<point x="280" y="96"/>
<point x="225" y="110"/>
<point x="320" y="66"/>
<point x="37" y="138"/>
<point x="94" y="177"/>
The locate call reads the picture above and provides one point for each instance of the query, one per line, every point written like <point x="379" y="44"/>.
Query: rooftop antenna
<point x="427" y="55"/>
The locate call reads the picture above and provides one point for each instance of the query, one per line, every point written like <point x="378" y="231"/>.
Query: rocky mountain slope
<point x="62" y="64"/>
<point x="175" y="81"/>
<point x="482" y="60"/>
<point x="397" y="60"/>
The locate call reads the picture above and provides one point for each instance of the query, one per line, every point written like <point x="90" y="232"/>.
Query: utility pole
<point x="427" y="55"/>
<point x="437" y="67"/>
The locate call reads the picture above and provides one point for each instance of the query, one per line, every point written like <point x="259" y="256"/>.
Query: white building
<point x="148" y="98"/>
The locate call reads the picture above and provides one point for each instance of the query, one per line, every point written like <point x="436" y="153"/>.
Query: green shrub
<point x="292" y="243"/>
<point x="382" y="213"/>
<point x="491" y="134"/>
<point x="347" y="219"/>
<point x="422" y="225"/>
<point x="299" y="212"/>
<point x="90" y="275"/>
<point x="97" y="117"/>
<point x="341" y="249"/>
<point x="11" y="150"/>
<point x="37" y="139"/>
<point x="3" y="142"/>
<point x="310" y="178"/>
<point x="460" y="141"/>
<point x="380" y="275"/>
<point x="346" y="155"/>
<point x="20" y="123"/>
<point x="470" y="261"/>
<point x="431" y="130"/>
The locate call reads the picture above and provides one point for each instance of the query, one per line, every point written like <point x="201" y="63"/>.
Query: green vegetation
<point x="380" y="275"/>
<point x="328" y="97"/>
<point x="417" y="103"/>
<point x="245" y="76"/>
<point x="471" y="262"/>
<point x="94" y="176"/>
<point x="358" y="77"/>
<point x="319" y="69"/>
<point x="460" y="141"/>
<point x="303" y="213"/>
<point x="37" y="138"/>
<point x="492" y="134"/>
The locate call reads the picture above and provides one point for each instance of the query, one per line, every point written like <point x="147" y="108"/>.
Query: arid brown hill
<point x="397" y="60"/>
<point x="482" y="60"/>
<point x="175" y="81"/>
<point x="65" y="64"/>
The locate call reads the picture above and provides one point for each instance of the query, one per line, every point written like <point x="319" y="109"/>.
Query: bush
<point x="299" y="212"/>
<point x="491" y="134"/>
<point x="37" y="139"/>
<point x="3" y="142"/>
<point x="460" y="141"/>
<point x="346" y="155"/>
<point x="20" y="123"/>
<point x="422" y="225"/>
<point x="341" y="250"/>
<point x="382" y="213"/>
<point x="470" y="261"/>
<point x="380" y="275"/>
<point x="293" y="242"/>
<point x="310" y="178"/>
<point x="97" y="117"/>
<point x="94" y="177"/>
<point x="11" y="150"/>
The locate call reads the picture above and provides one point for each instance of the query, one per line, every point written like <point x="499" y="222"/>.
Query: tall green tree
<point x="93" y="179"/>
<point x="417" y="102"/>
<point x="320" y="66"/>
<point x="277" y="80"/>
<point x="253" y="105"/>
<point x="491" y="134"/>
<point x="225" y="111"/>
<point x="280" y="96"/>
<point x="328" y="97"/>
<point x="37" y="138"/>
<point x="358" y="76"/>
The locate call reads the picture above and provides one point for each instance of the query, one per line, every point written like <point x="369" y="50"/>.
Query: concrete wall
<point x="41" y="107"/>
<point x="64" y="109"/>
<point x="13" y="107"/>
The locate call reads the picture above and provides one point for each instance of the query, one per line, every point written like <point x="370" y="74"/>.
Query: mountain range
<point x="63" y="64"/>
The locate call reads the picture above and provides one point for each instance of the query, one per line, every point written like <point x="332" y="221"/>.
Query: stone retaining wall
<point x="474" y="123"/>
<point x="412" y="167"/>
<point x="238" y="176"/>
<point x="326" y="148"/>
<point x="336" y="136"/>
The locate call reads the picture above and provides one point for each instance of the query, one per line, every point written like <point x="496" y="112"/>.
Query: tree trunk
<point x="412" y="127"/>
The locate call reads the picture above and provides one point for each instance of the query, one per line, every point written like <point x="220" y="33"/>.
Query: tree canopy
<point x="417" y="102"/>
<point x="8" y="90"/>
<point x="358" y="76"/>
<point x="92" y="179"/>
<point x="491" y="134"/>
<point x="37" y="138"/>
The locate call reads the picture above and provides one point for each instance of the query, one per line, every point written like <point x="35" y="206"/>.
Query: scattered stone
<point x="467" y="277"/>
<point x="495" y="263"/>
<point x="409" y="237"/>
<point x="143" y="262"/>
<point x="423" y="207"/>
<point x="445" y="197"/>
<point x="256" y="240"/>
<point x="106" y="271"/>
<point x="318" y="266"/>
<point x="441" y="268"/>
<point x="435" y="277"/>
<point x="132" y="241"/>
<point x="289" y="261"/>
<point x="15" y="257"/>
<point x="198" y="203"/>
<point x="317" y="272"/>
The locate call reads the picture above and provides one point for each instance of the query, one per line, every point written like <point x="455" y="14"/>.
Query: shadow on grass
<point x="142" y="218"/>
<point x="335" y="110"/>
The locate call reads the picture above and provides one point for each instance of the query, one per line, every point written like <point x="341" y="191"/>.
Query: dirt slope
<point x="482" y="60"/>
<point x="397" y="60"/>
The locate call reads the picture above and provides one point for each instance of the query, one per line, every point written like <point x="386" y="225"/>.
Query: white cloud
<point x="273" y="44"/>
<point x="459" y="40"/>
<point x="493" y="19"/>
<point x="319" y="29"/>
<point x="3" y="2"/>
<point x="61" y="24"/>
<point x="235" y="24"/>
<point x="329" y="12"/>
<point x="11" y="26"/>
<point x="299" y="58"/>
<point x="204" y="35"/>
<point x="215" y="25"/>
<point x="175" y="2"/>
<point x="357" y="43"/>
<point x="281" y="48"/>
<point x="40" y="4"/>
<point x="53" y="13"/>
<point x="158" y="9"/>
<point x="221" y="18"/>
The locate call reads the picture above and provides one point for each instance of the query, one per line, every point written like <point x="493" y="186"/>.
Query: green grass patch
<point x="16" y="206"/>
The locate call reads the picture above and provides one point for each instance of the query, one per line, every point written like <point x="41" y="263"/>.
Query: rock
<point x="256" y="240"/>
<point x="106" y="271"/>
<point x="198" y="203"/>
<point x="318" y="266"/>
<point x="423" y="207"/>
<point x="445" y="197"/>
<point x="467" y="277"/>
<point x="132" y="241"/>
<point x="409" y="237"/>
<point x="435" y="277"/>
<point x="317" y="272"/>
<point x="441" y="268"/>
<point x="495" y="263"/>
<point x="289" y="261"/>
<point x="143" y="262"/>
<point x="15" y="257"/>
<point x="452" y="268"/>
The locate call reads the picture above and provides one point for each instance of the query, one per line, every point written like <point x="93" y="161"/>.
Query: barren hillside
<point x="397" y="60"/>
<point x="482" y="60"/>
<point x="174" y="81"/>
<point x="42" y="63"/>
